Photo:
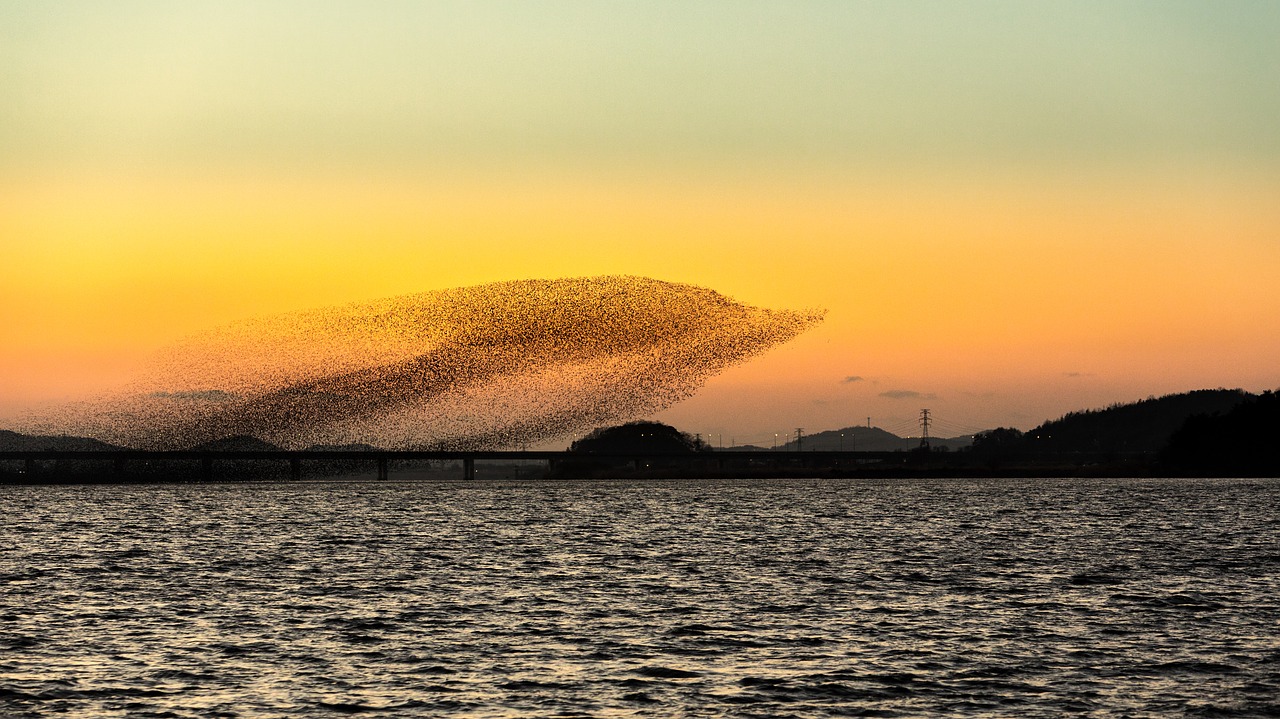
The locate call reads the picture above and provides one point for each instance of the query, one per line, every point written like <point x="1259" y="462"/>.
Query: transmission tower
<point x="799" y="437"/>
<point x="924" y="429"/>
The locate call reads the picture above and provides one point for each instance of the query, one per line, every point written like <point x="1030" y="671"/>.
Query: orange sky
<point x="1003" y="303"/>
<point x="1008" y="210"/>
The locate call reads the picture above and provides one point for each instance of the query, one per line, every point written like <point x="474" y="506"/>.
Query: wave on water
<point x="654" y="598"/>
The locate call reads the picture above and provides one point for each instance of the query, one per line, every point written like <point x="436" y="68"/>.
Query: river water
<point x="754" y="598"/>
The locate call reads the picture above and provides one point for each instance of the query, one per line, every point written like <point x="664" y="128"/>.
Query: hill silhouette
<point x="15" y="442"/>
<point x="1144" y="426"/>
<point x="638" y="437"/>
<point x="1216" y="432"/>
<point x="1240" y="441"/>
<point x="867" y="439"/>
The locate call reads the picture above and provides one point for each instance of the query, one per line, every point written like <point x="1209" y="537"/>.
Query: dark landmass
<point x="14" y="442"/>
<point x="868" y="439"/>
<point x="641" y="437"/>
<point x="655" y="446"/>
<point x="70" y="469"/>
<point x="1241" y="441"/>
<point x="1213" y="433"/>
<point x="1144" y="426"/>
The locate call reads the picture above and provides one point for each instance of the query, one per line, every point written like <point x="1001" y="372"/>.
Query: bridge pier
<point x="295" y="469"/>
<point x="206" y="468"/>
<point x="468" y="468"/>
<point x="382" y="469"/>
<point x="29" y="466"/>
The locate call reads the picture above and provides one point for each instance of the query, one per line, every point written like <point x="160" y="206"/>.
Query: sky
<point x="1008" y="210"/>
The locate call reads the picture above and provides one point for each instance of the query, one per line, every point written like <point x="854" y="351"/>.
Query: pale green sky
<point x="1019" y="208"/>
<point x="422" y="85"/>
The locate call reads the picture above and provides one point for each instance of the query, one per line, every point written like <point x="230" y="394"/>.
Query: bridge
<point x="761" y="460"/>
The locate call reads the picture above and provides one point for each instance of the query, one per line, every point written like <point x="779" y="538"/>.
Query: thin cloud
<point x="852" y="378"/>
<point x="907" y="394"/>
<point x="1077" y="374"/>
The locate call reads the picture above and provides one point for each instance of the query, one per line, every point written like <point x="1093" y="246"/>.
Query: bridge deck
<point x="697" y="462"/>
<point x="399" y="454"/>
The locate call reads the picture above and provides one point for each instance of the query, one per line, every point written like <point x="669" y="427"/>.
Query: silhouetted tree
<point x="1144" y="426"/>
<point x="1001" y="440"/>
<point x="1239" y="442"/>
<point x="638" y="438"/>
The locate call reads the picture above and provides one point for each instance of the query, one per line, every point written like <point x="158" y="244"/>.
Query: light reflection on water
<point x="646" y="598"/>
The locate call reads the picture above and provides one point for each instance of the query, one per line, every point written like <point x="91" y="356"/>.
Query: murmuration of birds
<point x="500" y="365"/>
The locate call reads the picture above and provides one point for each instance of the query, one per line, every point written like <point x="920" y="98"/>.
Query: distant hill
<point x="869" y="439"/>
<point x="15" y="442"/>
<point x="1144" y="426"/>
<point x="859" y="438"/>
<point x="642" y="437"/>
<point x="1236" y="443"/>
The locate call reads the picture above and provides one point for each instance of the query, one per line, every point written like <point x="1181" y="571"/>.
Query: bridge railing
<point x="119" y="460"/>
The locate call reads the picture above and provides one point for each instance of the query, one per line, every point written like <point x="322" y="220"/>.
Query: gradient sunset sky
<point x="1009" y="210"/>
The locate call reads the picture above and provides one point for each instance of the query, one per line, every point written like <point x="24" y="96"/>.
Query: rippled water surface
<point x="698" y="598"/>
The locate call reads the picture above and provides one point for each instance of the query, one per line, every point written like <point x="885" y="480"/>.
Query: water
<point x="599" y="599"/>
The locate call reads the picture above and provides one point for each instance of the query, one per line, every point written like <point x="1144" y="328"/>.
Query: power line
<point x="955" y="427"/>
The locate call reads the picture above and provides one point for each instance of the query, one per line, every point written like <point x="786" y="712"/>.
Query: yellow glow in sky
<point x="1008" y="210"/>
<point x="930" y="288"/>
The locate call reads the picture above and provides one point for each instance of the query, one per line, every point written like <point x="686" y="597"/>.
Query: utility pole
<point x="924" y="429"/>
<point x="799" y="437"/>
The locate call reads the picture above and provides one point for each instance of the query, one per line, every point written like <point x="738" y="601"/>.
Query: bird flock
<point x="499" y="365"/>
